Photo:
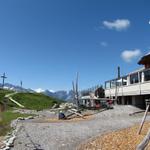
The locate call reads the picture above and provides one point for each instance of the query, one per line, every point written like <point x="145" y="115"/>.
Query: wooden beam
<point x="143" y="120"/>
<point x="145" y="142"/>
<point x="76" y="113"/>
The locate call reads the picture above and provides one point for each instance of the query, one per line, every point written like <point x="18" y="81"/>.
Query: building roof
<point x="145" y="59"/>
<point x="138" y="70"/>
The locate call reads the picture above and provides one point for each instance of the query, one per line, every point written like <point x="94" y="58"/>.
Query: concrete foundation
<point x="138" y="100"/>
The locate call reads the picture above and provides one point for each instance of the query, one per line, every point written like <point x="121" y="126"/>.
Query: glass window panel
<point x="113" y="83"/>
<point x="140" y="76"/>
<point x="119" y="82"/>
<point x="134" y="78"/>
<point x="147" y="75"/>
<point x="107" y="85"/>
<point x="124" y="80"/>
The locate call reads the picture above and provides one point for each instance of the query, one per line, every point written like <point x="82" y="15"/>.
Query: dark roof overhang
<point x="145" y="60"/>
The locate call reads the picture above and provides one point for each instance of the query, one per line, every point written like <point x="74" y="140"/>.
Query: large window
<point x="134" y="78"/>
<point x="147" y="75"/>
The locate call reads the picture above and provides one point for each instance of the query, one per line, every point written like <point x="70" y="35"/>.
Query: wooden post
<point x="0" y="112"/>
<point x="145" y="142"/>
<point x="73" y="111"/>
<point x="143" y="120"/>
<point x="2" y="109"/>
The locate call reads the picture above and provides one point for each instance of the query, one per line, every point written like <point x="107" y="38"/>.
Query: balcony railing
<point x="134" y="78"/>
<point x="133" y="84"/>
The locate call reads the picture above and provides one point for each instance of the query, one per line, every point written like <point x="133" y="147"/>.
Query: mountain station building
<point x="131" y="89"/>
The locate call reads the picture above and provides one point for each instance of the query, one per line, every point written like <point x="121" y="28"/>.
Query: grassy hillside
<point x="3" y="92"/>
<point x="29" y="100"/>
<point x="35" y="101"/>
<point x="7" y="117"/>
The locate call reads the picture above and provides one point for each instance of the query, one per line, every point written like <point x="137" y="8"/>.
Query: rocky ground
<point x="69" y="135"/>
<point x="1" y="143"/>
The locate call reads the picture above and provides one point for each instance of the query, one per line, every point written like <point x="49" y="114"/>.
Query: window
<point x="113" y="83"/>
<point x="140" y="75"/>
<point x="124" y="80"/>
<point x="134" y="78"/>
<point x="107" y="85"/>
<point x="119" y="82"/>
<point x="147" y="75"/>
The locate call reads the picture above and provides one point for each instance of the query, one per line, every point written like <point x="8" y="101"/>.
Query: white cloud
<point x="104" y="44"/>
<point x="119" y="24"/>
<point x="129" y="55"/>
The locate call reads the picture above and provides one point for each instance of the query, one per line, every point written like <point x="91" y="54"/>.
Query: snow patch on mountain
<point x="62" y="94"/>
<point x="16" y="88"/>
<point x="39" y="90"/>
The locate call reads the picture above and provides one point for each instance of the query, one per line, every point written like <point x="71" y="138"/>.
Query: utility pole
<point x="21" y="84"/>
<point x="3" y="77"/>
<point x="74" y="92"/>
<point x="77" y="93"/>
<point x="116" y="90"/>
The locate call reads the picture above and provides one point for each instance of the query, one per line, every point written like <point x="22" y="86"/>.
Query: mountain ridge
<point x="61" y="94"/>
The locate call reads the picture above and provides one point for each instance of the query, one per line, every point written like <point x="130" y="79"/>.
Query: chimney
<point x="118" y="72"/>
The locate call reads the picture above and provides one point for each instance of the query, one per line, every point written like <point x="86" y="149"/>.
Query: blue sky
<point x="45" y="42"/>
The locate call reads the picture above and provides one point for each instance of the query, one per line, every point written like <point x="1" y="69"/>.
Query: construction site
<point x="88" y="122"/>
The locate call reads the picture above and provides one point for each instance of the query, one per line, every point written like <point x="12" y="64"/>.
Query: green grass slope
<point x="35" y="101"/>
<point x="3" y="92"/>
<point x="6" y="118"/>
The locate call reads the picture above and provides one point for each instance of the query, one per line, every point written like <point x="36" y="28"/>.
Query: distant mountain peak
<point x="62" y="94"/>
<point x="40" y="90"/>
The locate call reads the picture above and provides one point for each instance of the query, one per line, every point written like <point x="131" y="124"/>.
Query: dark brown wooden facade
<point x="145" y="60"/>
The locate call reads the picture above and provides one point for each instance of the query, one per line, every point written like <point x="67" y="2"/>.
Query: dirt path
<point x="68" y="135"/>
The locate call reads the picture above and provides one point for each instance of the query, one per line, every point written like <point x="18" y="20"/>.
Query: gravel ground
<point x="69" y="135"/>
<point x="1" y="143"/>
